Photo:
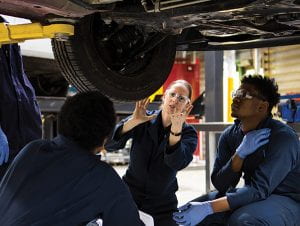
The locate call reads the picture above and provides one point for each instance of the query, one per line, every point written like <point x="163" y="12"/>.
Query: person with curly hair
<point x="162" y="144"/>
<point x="266" y="152"/>
<point x="62" y="181"/>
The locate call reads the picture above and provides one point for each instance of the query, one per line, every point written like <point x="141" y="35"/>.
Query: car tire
<point x="82" y="62"/>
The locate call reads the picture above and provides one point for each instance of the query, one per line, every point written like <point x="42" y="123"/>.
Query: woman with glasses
<point x="162" y="144"/>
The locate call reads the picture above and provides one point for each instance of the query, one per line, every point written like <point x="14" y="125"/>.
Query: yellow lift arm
<point x="22" y="32"/>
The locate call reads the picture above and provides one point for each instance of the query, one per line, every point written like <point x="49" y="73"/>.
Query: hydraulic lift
<point x="21" y="32"/>
<point x="10" y="34"/>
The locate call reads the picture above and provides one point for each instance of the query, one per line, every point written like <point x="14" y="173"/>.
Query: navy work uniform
<point x="58" y="183"/>
<point x="151" y="175"/>
<point x="20" y="117"/>
<point x="271" y="195"/>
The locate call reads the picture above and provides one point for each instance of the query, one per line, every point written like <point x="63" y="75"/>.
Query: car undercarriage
<point x="126" y="49"/>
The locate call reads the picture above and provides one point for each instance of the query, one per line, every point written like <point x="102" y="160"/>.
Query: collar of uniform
<point x="237" y="122"/>
<point x="61" y="140"/>
<point x="263" y="124"/>
<point x="157" y="119"/>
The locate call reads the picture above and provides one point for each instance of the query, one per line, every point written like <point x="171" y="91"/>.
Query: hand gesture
<point x="192" y="213"/>
<point x="252" y="141"/>
<point x="139" y="114"/>
<point x="4" y="149"/>
<point x="178" y="118"/>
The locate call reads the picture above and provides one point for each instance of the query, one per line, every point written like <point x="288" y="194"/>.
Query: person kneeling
<point x="62" y="181"/>
<point x="266" y="152"/>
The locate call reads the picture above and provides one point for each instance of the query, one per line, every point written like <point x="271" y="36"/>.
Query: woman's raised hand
<point x="139" y="113"/>
<point x="178" y="118"/>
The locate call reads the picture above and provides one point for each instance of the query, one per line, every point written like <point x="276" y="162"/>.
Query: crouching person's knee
<point x="243" y="219"/>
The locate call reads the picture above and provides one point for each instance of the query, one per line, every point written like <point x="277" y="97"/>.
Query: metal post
<point x="213" y="105"/>
<point x="256" y="59"/>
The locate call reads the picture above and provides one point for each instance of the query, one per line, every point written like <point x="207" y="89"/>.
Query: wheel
<point x="122" y="62"/>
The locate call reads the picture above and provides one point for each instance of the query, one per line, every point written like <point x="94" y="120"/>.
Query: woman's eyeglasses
<point x="180" y="98"/>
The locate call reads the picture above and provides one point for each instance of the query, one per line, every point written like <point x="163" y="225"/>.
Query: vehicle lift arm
<point x="21" y="32"/>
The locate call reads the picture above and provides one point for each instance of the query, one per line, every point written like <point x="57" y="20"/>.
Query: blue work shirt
<point x="273" y="169"/>
<point x="151" y="175"/>
<point x="58" y="183"/>
<point x="20" y="116"/>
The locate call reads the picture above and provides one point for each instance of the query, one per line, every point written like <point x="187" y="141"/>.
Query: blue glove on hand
<point x="252" y="141"/>
<point x="192" y="213"/>
<point x="4" y="150"/>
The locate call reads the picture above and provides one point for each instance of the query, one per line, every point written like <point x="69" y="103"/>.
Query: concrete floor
<point x="191" y="181"/>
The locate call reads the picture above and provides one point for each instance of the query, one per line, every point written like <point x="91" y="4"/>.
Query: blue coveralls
<point x="271" y="195"/>
<point x="58" y="183"/>
<point x="19" y="112"/>
<point x="151" y="175"/>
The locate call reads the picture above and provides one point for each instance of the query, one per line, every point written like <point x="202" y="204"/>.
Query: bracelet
<point x="175" y="134"/>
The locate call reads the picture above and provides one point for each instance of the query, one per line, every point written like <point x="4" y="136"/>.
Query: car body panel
<point x="39" y="10"/>
<point x="206" y="22"/>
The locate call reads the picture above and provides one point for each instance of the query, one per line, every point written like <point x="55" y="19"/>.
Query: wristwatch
<point x="175" y="134"/>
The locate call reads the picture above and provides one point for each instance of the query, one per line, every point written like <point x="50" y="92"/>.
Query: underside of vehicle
<point x="126" y="48"/>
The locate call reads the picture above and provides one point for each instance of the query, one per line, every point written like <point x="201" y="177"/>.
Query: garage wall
<point x="283" y="64"/>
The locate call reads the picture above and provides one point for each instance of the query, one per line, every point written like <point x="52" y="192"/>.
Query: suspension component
<point x="160" y="5"/>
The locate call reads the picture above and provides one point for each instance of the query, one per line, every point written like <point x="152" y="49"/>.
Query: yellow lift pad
<point x="22" y="32"/>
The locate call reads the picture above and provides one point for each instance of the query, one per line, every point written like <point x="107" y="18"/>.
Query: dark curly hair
<point x="87" y="118"/>
<point x="266" y="87"/>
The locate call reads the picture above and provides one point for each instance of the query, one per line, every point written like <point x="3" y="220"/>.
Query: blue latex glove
<point x="192" y="213"/>
<point x="252" y="141"/>
<point x="4" y="149"/>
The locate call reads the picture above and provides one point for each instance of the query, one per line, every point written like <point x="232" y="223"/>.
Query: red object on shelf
<point x="187" y="71"/>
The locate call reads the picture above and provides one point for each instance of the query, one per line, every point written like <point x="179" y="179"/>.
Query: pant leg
<point x="275" y="210"/>
<point x="164" y="220"/>
<point x="216" y="219"/>
<point x="4" y="166"/>
<point x="3" y="169"/>
<point x="162" y="213"/>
